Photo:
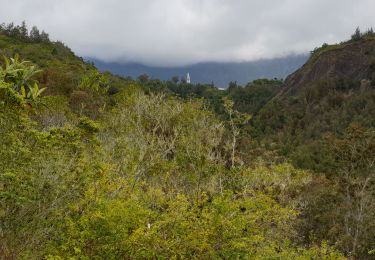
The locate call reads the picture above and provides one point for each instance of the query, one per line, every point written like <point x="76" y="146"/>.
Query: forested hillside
<point x="95" y="166"/>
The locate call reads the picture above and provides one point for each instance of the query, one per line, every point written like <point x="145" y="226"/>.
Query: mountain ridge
<point x="219" y="73"/>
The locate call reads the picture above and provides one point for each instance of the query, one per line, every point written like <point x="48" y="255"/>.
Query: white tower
<point x="188" y="78"/>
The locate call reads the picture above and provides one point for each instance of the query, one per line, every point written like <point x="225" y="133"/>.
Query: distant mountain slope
<point x="219" y="73"/>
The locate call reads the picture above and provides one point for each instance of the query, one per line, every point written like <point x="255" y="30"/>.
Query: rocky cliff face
<point x="351" y="60"/>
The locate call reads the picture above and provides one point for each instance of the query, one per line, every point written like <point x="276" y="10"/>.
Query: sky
<point x="183" y="32"/>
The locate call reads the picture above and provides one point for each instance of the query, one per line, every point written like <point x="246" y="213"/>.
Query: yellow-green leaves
<point x="16" y="78"/>
<point x="146" y="181"/>
<point x="35" y="92"/>
<point x="94" y="81"/>
<point x="161" y="138"/>
<point x="89" y="125"/>
<point x="235" y="120"/>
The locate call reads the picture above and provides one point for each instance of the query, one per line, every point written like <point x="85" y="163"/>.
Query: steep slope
<point x="62" y="70"/>
<point x="332" y="91"/>
<point x="324" y="120"/>
<point x="353" y="60"/>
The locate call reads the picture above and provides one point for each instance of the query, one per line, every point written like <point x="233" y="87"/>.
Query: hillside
<point x="323" y="119"/>
<point x="96" y="166"/>
<point x="333" y="90"/>
<point x="354" y="60"/>
<point x="93" y="166"/>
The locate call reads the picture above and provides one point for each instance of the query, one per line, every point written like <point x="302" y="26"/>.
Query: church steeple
<point x="188" y="78"/>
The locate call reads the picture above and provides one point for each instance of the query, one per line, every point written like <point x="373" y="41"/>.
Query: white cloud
<point x="179" y="32"/>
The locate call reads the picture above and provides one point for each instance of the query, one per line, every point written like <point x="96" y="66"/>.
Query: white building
<point x="188" y="78"/>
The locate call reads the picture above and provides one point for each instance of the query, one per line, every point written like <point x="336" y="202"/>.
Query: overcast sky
<point x="181" y="32"/>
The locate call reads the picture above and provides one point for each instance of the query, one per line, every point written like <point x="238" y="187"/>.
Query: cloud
<point x="180" y="32"/>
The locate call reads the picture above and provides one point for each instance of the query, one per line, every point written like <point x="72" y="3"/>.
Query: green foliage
<point x="104" y="168"/>
<point x="358" y="35"/>
<point x="95" y="81"/>
<point x="144" y="222"/>
<point x="341" y="209"/>
<point x="251" y="98"/>
<point x="41" y="174"/>
<point x="310" y="124"/>
<point x="89" y="125"/>
<point x="21" y="32"/>
<point x="16" y="79"/>
<point x="157" y="134"/>
<point x="150" y="183"/>
<point x="34" y="92"/>
<point x="236" y="120"/>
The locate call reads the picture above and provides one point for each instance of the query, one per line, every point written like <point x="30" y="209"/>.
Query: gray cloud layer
<point x="179" y="32"/>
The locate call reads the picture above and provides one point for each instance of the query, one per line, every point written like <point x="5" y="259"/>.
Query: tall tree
<point x="35" y="34"/>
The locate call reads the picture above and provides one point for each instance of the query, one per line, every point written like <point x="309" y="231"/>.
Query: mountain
<point x="332" y="91"/>
<point x="218" y="73"/>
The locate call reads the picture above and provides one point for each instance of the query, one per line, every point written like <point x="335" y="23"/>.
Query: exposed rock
<point x="351" y="60"/>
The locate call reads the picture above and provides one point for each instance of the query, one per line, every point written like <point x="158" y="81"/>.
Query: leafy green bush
<point x="16" y="81"/>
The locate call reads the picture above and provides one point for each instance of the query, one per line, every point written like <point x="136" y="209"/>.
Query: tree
<point x="24" y="31"/>
<point x="232" y="86"/>
<point x="35" y="34"/>
<point x="341" y="209"/>
<point x="357" y="34"/>
<point x="236" y="119"/>
<point x="370" y="31"/>
<point x="175" y="79"/>
<point x="9" y="28"/>
<point x="143" y="78"/>
<point x="355" y="155"/>
<point x="44" y="37"/>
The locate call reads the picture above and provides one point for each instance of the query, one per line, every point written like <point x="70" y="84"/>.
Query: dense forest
<point x="97" y="166"/>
